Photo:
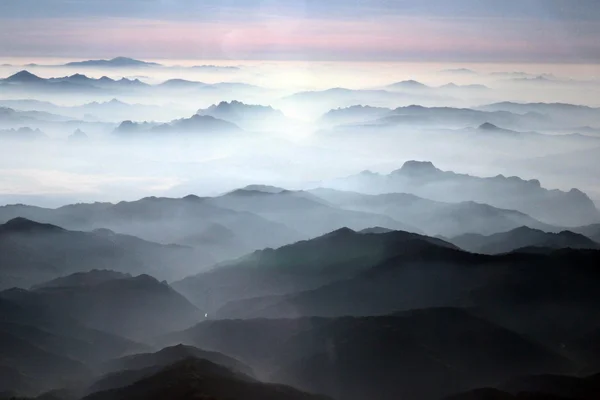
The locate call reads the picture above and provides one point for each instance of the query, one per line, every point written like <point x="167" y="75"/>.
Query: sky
<point x="545" y="31"/>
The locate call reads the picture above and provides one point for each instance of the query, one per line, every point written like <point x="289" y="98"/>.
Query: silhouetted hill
<point x="387" y="357"/>
<point x="562" y="114"/>
<point x="201" y="379"/>
<point x="303" y="212"/>
<point x="353" y="115"/>
<point x="591" y="231"/>
<point x="520" y="238"/>
<point x="118" y="62"/>
<point x="35" y="252"/>
<point x="23" y="77"/>
<point x="171" y="355"/>
<point x="83" y="279"/>
<point x="197" y="124"/>
<point x="252" y="117"/>
<point x="301" y="266"/>
<point x="128" y="370"/>
<point x="433" y="217"/>
<point x="133" y="307"/>
<point x="573" y="208"/>
<point x="166" y="220"/>
<point x="408" y="85"/>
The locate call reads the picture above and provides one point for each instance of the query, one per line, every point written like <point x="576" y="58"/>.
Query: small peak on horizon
<point x="23" y="76"/>
<point x="487" y="126"/>
<point x="420" y="167"/>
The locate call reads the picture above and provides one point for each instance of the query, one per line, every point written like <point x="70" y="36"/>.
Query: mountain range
<point x="118" y="62"/>
<point x="522" y="239"/>
<point x="51" y="252"/>
<point x="134" y="307"/>
<point x="555" y="207"/>
<point x="250" y="117"/>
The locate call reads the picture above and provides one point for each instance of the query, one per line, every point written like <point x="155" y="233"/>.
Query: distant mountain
<point x="201" y="379"/>
<point x="171" y="355"/>
<point x="22" y="134"/>
<point x="126" y="371"/>
<point x="197" y="124"/>
<point x="522" y="238"/>
<point x="300" y="266"/>
<point x="380" y="357"/>
<point x="134" y="307"/>
<point x="563" y="115"/>
<point x="555" y="207"/>
<point x="449" y="117"/>
<point x="28" y="82"/>
<point x="318" y="102"/>
<point x="23" y="77"/>
<point x="78" y="136"/>
<point x="303" y="212"/>
<point x="408" y="85"/>
<point x="83" y="279"/>
<point x="253" y="117"/>
<point x="166" y="221"/>
<point x="354" y="115"/>
<point x="11" y="117"/>
<point x="118" y="62"/>
<point x="591" y="231"/>
<point x="33" y="253"/>
<point x="433" y="217"/>
<point x="174" y="84"/>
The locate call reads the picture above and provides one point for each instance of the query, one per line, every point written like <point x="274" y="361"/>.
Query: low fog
<point x="96" y="140"/>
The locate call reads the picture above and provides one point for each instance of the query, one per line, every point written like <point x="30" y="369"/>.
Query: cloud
<point x="462" y="30"/>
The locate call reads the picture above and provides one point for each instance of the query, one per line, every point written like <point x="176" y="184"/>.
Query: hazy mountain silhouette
<point x="126" y="371"/>
<point x="386" y="357"/>
<point x="118" y="62"/>
<point x="303" y="211"/>
<point x="408" y="85"/>
<point x="34" y="252"/>
<point x="591" y="231"/>
<point x="78" y="136"/>
<point x="566" y="115"/>
<point x="433" y="217"/>
<point x="305" y="265"/>
<point x="520" y="238"/>
<point x="354" y="115"/>
<point x="171" y="355"/>
<point x="573" y="208"/>
<point x="133" y="307"/>
<point x="194" y="378"/>
<point x="252" y="117"/>
<point x="449" y="117"/>
<point x="197" y="124"/>
<point x="167" y="220"/>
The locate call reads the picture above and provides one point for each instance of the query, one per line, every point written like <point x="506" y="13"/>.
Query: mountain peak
<point x="23" y="76"/>
<point x="20" y="224"/>
<point x="418" y="167"/>
<point x="487" y="127"/>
